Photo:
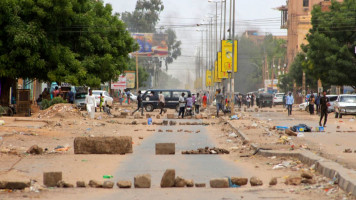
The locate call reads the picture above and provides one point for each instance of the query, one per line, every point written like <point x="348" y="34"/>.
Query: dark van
<point x="150" y="98"/>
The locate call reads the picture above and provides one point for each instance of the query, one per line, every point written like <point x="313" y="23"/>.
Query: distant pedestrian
<point x="182" y="104"/>
<point x="161" y="102"/>
<point x="139" y="103"/>
<point x="289" y="102"/>
<point x="198" y="103"/>
<point x="91" y="104"/>
<point x="311" y="101"/>
<point x="317" y="103"/>
<point x="55" y="92"/>
<point x="128" y="95"/>
<point x="121" y="97"/>
<point x="70" y="97"/>
<point x="101" y="98"/>
<point x="205" y="100"/>
<point x="248" y="101"/>
<point x="324" y="103"/>
<point x="219" y="102"/>
<point x="252" y="100"/>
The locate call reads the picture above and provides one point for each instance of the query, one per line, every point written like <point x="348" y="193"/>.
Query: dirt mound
<point x="62" y="110"/>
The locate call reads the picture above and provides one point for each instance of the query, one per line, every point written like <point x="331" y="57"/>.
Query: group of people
<point x="191" y="104"/>
<point x="249" y="100"/>
<point x="125" y="94"/>
<point x="321" y="102"/>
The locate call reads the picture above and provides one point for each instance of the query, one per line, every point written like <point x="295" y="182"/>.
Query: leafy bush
<point x="46" y="104"/>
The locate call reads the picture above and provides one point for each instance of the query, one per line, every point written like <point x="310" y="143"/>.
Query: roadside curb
<point x="345" y="178"/>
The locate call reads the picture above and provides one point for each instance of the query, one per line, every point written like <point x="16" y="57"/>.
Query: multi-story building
<point x="296" y="18"/>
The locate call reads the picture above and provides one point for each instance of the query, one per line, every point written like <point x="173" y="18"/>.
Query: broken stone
<point x="254" y="181"/>
<point x="124" y="114"/>
<point x="124" y="184"/>
<point x="142" y="181"/>
<point x="50" y="179"/>
<point x="347" y="151"/>
<point x="141" y="138"/>
<point x="81" y="184"/>
<point x="34" y="149"/>
<point x="293" y="180"/>
<point x="307" y="175"/>
<point x="309" y="181"/>
<point x="290" y="132"/>
<point x="103" y="145"/>
<point x="95" y="184"/>
<point x="172" y="123"/>
<point x="239" y="181"/>
<point x="160" y="130"/>
<point x="179" y="182"/>
<point x="199" y="116"/>
<point x="165" y="122"/>
<point x="134" y="122"/>
<point x="170" y="116"/>
<point x="200" y="185"/>
<point x="219" y="183"/>
<point x="189" y="183"/>
<point x="169" y="131"/>
<point x="62" y="184"/>
<point x="165" y="148"/>
<point x="158" y="117"/>
<point x="108" y="184"/>
<point x="168" y="178"/>
<point x="148" y="116"/>
<point x="14" y="185"/>
<point x="273" y="181"/>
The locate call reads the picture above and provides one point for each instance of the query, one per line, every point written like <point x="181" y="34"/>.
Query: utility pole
<point x="136" y="72"/>
<point x="233" y="64"/>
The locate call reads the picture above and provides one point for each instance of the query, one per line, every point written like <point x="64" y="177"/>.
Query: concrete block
<point x="50" y="179"/>
<point x="103" y="145"/>
<point x="170" y="116"/>
<point x="219" y="183"/>
<point x="165" y="148"/>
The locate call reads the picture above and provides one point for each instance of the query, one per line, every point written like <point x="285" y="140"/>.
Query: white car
<point x="133" y="97"/>
<point x="108" y="100"/>
<point x="278" y="98"/>
<point x="345" y="105"/>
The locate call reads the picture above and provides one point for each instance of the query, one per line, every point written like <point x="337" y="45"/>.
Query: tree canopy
<point x="74" y="41"/>
<point x="332" y="40"/>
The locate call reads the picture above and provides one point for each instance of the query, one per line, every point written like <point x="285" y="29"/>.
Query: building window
<point x="305" y="3"/>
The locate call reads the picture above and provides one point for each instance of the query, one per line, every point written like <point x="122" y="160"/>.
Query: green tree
<point x="74" y="41"/>
<point x="142" y="73"/>
<point x="174" y="50"/>
<point x="145" y="16"/>
<point x="299" y="65"/>
<point x="332" y="40"/>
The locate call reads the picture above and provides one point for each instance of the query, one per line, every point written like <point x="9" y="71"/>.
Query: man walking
<point x="324" y="103"/>
<point x="181" y="105"/>
<point x="91" y="104"/>
<point x="139" y="103"/>
<point x="219" y="102"/>
<point x="289" y="102"/>
<point x="317" y="102"/>
<point x="161" y="102"/>
<point x="198" y="103"/>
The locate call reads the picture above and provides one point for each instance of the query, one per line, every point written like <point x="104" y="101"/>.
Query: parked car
<point x="79" y="100"/>
<point x="345" y="105"/>
<point x="150" y="98"/>
<point x="264" y="100"/>
<point x="108" y="100"/>
<point x="278" y="99"/>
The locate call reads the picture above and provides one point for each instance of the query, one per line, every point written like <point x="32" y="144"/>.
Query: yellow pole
<point x="136" y="72"/>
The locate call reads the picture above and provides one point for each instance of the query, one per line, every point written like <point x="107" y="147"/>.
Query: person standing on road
<point x="317" y="102"/>
<point x="248" y="100"/>
<point x="162" y="102"/>
<point x="219" y="102"/>
<point x="205" y="100"/>
<point x="252" y="99"/>
<point x="121" y="97"/>
<point x="198" y="102"/>
<point x="70" y="97"/>
<point x="101" y="101"/>
<point x="128" y="95"/>
<point x="91" y="104"/>
<point x="181" y="105"/>
<point x="324" y="103"/>
<point x="311" y="104"/>
<point x="139" y="103"/>
<point x="289" y="102"/>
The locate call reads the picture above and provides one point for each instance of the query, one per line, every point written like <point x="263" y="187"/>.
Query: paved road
<point x="200" y="168"/>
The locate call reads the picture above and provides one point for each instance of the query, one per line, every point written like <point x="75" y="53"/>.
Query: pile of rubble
<point x="207" y="150"/>
<point x="59" y="111"/>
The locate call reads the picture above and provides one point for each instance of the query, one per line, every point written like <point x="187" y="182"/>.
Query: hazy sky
<point x="250" y="15"/>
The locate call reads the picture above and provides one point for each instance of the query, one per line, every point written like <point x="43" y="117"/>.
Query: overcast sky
<point x="251" y="15"/>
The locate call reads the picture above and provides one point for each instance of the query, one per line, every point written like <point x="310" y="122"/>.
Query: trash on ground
<point x="234" y="117"/>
